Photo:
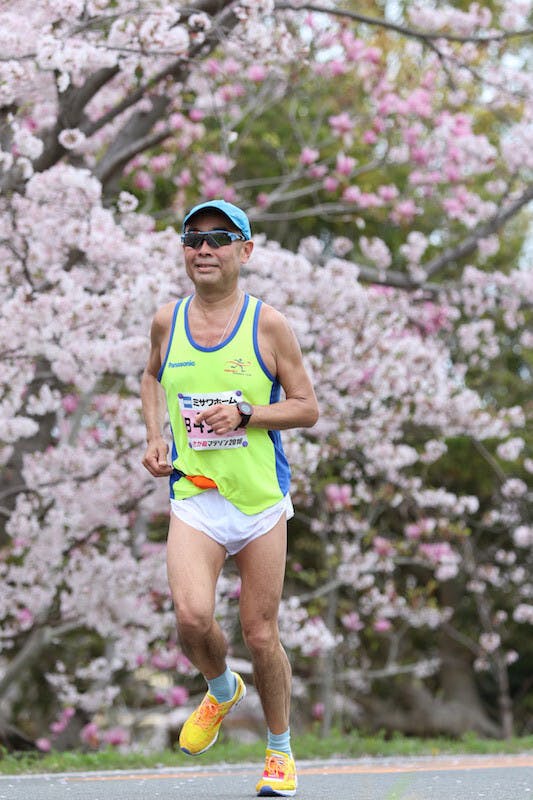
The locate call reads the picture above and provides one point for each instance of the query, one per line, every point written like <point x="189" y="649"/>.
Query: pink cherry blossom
<point x="257" y="73"/>
<point x="44" y="745"/>
<point x="341" y="123"/>
<point x="388" y="193"/>
<point x="25" y="618"/>
<point x="404" y="211"/>
<point x="370" y="137"/>
<point x="337" y="67"/>
<point x="352" y="621"/>
<point x="115" y="736"/>
<point x="143" y="180"/>
<point x="351" y="194"/>
<point x="330" y="184"/>
<point x="338" y="496"/>
<point x="317" y="171"/>
<point x="345" y="164"/>
<point x="177" y="696"/>
<point x="160" y="163"/>
<point x="308" y="156"/>
<point x="382" y="546"/>
<point x="90" y="735"/>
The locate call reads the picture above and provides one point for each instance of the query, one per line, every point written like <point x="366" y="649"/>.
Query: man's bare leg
<point x="262" y="568"/>
<point x="194" y="562"/>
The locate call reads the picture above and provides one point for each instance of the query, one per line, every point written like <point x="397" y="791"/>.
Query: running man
<point x="222" y="358"/>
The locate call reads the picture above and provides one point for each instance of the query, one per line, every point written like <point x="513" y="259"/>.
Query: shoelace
<point x="207" y="713"/>
<point x="274" y="767"/>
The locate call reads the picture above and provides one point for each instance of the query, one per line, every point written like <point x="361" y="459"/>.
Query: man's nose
<point x="205" y="246"/>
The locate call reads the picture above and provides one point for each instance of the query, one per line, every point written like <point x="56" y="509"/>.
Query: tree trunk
<point x="415" y="711"/>
<point x="457" y="679"/>
<point x="327" y="664"/>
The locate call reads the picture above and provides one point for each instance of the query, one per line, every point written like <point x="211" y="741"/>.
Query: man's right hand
<point x="155" y="458"/>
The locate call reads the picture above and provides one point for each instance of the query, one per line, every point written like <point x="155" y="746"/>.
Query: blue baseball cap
<point x="233" y="213"/>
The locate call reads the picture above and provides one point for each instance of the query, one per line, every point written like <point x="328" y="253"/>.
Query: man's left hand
<point x="222" y="418"/>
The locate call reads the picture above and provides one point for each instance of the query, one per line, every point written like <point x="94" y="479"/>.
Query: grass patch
<point x="306" y="746"/>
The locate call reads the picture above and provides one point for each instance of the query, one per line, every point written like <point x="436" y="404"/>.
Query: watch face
<point x="244" y="407"/>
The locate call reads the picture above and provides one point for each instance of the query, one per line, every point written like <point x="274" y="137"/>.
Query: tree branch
<point x="133" y="137"/>
<point x="30" y="652"/>
<point x="491" y="461"/>
<point x="176" y="70"/>
<point x="469" y="245"/>
<point x="133" y="140"/>
<point x="396" y="278"/>
<point x="72" y="103"/>
<point x="283" y="194"/>
<point x="326" y="589"/>
<point x="424" y="36"/>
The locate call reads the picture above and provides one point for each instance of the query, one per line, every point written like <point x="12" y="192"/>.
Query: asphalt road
<point x="443" y="778"/>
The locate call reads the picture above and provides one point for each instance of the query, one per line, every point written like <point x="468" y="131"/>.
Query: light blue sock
<point x="223" y="688"/>
<point x="280" y="741"/>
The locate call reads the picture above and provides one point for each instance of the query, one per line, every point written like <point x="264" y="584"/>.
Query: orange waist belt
<point x="199" y="480"/>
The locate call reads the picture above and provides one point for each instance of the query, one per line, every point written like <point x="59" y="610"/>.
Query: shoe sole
<point x="267" y="791"/>
<point x="234" y="706"/>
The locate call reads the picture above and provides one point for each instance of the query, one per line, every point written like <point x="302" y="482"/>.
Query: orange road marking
<point x="450" y="764"/>
<point x="504" y="762"/>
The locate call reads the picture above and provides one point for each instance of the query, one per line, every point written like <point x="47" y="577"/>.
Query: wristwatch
<point x="246" y="411"/>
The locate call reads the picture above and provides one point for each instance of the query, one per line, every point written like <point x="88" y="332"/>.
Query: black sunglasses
<point x="216" y="238"/>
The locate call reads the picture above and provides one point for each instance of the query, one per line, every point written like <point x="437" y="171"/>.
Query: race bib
<point x="199" y="434"/>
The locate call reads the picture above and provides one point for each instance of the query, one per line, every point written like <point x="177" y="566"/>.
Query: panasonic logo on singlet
<point x="181" y="364"/>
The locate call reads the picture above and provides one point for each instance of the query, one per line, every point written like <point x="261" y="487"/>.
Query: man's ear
<point x="246" y="250"/>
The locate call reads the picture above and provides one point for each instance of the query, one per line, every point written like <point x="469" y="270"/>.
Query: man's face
<point x="215" y="266"/>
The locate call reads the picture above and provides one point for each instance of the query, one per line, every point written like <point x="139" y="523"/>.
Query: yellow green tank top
<point x="248" y="466"/>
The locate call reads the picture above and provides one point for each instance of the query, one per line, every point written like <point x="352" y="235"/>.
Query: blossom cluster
<point x="83" y="270"/>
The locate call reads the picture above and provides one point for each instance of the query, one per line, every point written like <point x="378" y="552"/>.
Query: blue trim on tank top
<point x="256" y="343"/>
<point x="174" y="317"/>
<point x="227" y="340"/>
<point x="174" y="477"/>
<point x="283" y="471"/>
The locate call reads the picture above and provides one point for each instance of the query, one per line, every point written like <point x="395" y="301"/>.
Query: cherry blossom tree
<point x="407" y="181"/>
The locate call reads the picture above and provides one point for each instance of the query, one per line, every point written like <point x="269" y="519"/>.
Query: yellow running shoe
<point x="200" y="731"/>
<point x="279" y="776"/>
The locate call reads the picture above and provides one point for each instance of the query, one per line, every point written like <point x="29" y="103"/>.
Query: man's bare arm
<point x="153" y="401"/>
<point x="283" y="357"/>
<point x="282" y="354"/>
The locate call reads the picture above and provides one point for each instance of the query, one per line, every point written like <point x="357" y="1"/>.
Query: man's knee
<point x="193" y="622"/>
<point x="261" y="636"/>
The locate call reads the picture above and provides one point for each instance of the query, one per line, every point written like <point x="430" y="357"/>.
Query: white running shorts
<point x="212" y="514"/>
